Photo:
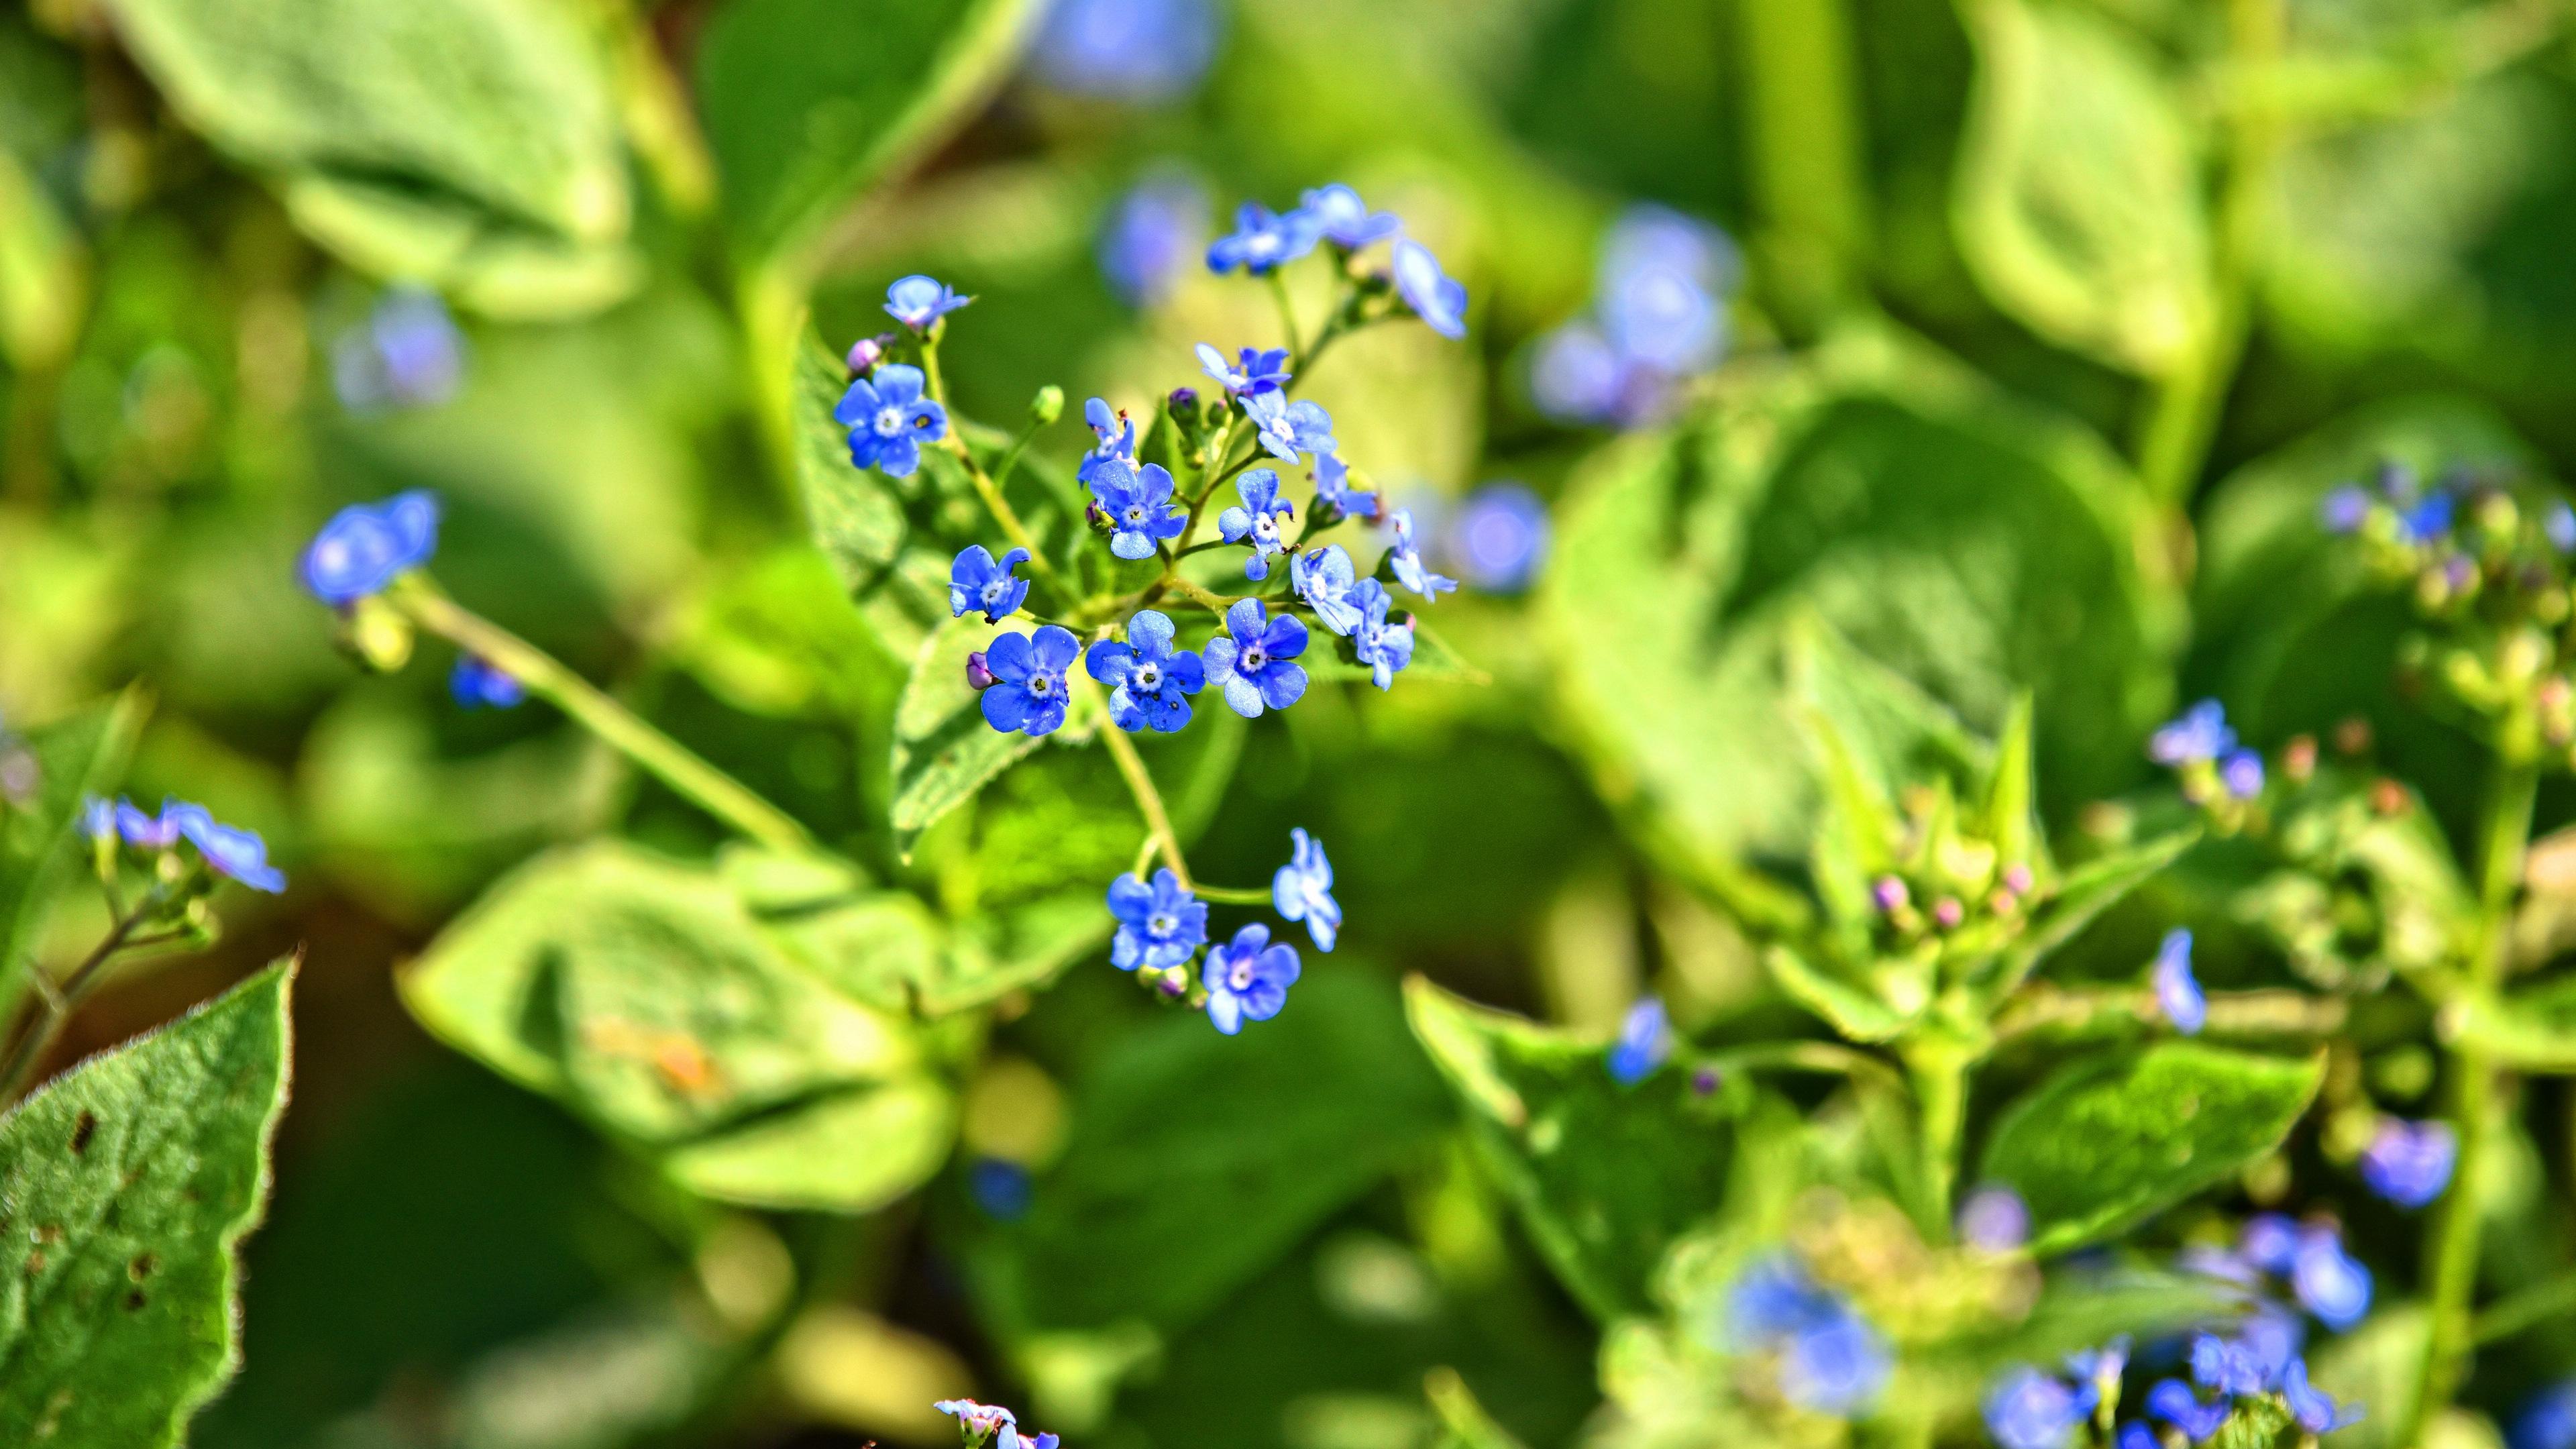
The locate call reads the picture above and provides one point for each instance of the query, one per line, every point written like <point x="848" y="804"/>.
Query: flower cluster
<point x="2026" y="1408"/>
<point x="2257" y="1371"/>
<point x="982" y="1424"/>
<point x="1162" y="924"/>
<point x="1949" y="887"/>
<point x="407" y="354"/>
<point x="1263" y="241"/>
<point x="2324" y="1279"/>
<point x="2410" y="1163"/>
<point x="2202" y="750"/>
<point x="1658" y="316"/>
<point x="227" y="850"/>
<point x="366" y="546"/>
<point x="1821" y="1354"/>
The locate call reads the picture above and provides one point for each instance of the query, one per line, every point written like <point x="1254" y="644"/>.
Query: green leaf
<point x="2533" y="1030"/>
<point x="128" y="1183"/>
<point x="1853" y="1011"/>
<point x="855" y="513"/>
<point x="944" y="750"/>
<point x="810" y="103"/>
<point x="1604" y="1176"/>
<point x="2078" y="202"/>
<point x="2086" y="892"/>
<point x="40" y="842"/>
<point x="2103" y="1144"/>
<point x="846" y="1152"/>
<point x="44" y="274"/>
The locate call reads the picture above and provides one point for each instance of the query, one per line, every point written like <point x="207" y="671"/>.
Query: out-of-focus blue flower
<point x="1247" y="979"/>
<point x="229" y="850"/>
<point x="2226" y="1367"/>
<point x="2242" y="774"/>
<point x="1994" y="1219"/>
<point x="2173" y="1401"/>
<point x="975" y="1418"/>
<point x="98" y="818"/>
<point x="889" y="419"/>
<point x="1302" y="890"/>
<point x="1262" y="240"/>
<point x="1324" y="578"/>
<point x="1435" y="297"/>
<point x="366" y="545"/>
<point x="1499" y="538"/>
<point x="1645" y="1041"/>
<point x="977" y="581"/>
<point x="2344" y="509"/>
<point x="2330" y="1282"/>
<point x="918" y="301"/>
<point x="1831" y="1361"/>
<point x="1255" y="370"/>
<point x="2101" y="1367"/>
<point x="1333" y="490"/>
<point x="1138" y="503"/>
<point x="2177" y="991"/>
<point x="2428" y="518"/>
<point x="2269" y="1241"/>
<point x="1772" y="1298"/>
<point x="2409" y="1163"/>
<point x="478" y="683"/>
<point x="1406" y="559"/>
<point x="1148" y="678"/>
<point x="1028" y="690"/>
<point x="2134" y="1435"/>
<point x="1344" y="220"/>
<point x="1256" y="520"/>
<point x="2195" y="737"/>
<point x="2269" y="1338"/>
<point x="1125" y="50"/>
<point x="1287" y="428"/>
<point x="1001" y="1187"/>
<point x="1149" y="236"/>
<point x="1661" y="278"/>
<point x="2558" y="525"/>
<point x="1251" y="661"/>
<point x="407" y="354"/>
<point x="1116" y="433"/>
<point x="2027" y="1409"/>
<point x="2315" y="1410"/>
<point x="1576" y="376"/>
<point x="149" y="832"/>
<point x="1383" y="646"/>
<point x="1159" y="925"/>
<point x="2547" y="1419"/>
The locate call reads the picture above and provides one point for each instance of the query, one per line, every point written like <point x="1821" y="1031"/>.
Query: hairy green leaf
<point x="944" y="751"/>
<point x="40" y="833"/>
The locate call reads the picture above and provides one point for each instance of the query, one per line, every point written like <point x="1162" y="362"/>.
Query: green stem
<point x="1287" y="313"/>
<point x="2529" y="1308"/>
<point x="673" y="763"/>
<point x="54" y="1003"/>
<point x="1940" y="1075"/>
<point x="1806" y="135"/>
<point x="1233" y="895"/>
<point x="1149" y="801"/>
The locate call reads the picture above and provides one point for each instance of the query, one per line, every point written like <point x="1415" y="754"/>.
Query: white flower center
<point x="1162" y="925"/>
<point x="1240" y="978"/>
<point x="889" y="421"/>
<point x="1254" y="657"/>
<point x="1041" y="684"/>
<point x="1149" y="677"/>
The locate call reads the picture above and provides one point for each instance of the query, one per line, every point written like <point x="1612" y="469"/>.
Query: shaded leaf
<point x="2533" y="1030"/>
<point x="850" y="1151"/>
<point x="944" y="751"/>
<point x="2086" y="892"/>
<point x="40" y="842"/>
<point x="1853" y="1011"/>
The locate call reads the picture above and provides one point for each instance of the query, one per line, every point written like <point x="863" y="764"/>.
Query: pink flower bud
<point x="976" y="673"/>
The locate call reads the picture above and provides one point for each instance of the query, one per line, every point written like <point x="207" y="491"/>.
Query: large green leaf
<point x="39" y="833"/>
<point x="2102" y="1144"/>
<point x="128" y="1183"/>
<point x="810" y="102"/>
<point x="864" y="521"/>
<point x="1604" y="1176"/>
<point x="2078" y="202"/>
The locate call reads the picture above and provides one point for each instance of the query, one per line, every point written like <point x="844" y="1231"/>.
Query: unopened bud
<point x="1047" y="406"/>
<point x="2387" y="797"/>
<point x="1704" y="1082"/>
<point x="1889" y="893"/>
<point x="2017" y="878"/>
<point x="866" y="353"/>
<point x="2352" y="736"/>
<point x="978" y="674"/>
<point x="1949" y="913"/>
<point x="1184" y="399"/>
<point x="2299" y="758"/>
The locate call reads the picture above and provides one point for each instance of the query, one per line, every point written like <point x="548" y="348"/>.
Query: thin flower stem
<point x="1208" y="598"/>
<point x="1149" y="801"/>
<point x="1287" y="313"/>
<point x="711" y="789"/>
<point x="985" y="488"/>
<point x="1939" y="1071"/>
<point x="54" y="1002"/>
<point x="2529" y="1308"/>
<point x="1233" y="895"/>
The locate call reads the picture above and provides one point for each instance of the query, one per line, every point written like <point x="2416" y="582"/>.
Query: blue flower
<point x="2177" y="991"/>
<point x="149" y="832"/>
<point x="1287" y="428"/>
<point x="2558" y="525"/>
<point x="1576" y="376"/>
<point x="2242" y="774"/>
<point x="98" y="818"/>
<point x="2410" y="1163"/>
<point x="1337" y="212"/>
<point x="2196" y="737"/>
<point x="1028" y="689"/>
<point x="2330" y="1283"/>
<point x="2227" y="1367"/>
<point x="2027" y="1409"/>
<point x="2429" y="517"/>
<point x="229" y="850"/>
<point x="2134" y="1435"/>
<point x="1257" y="521"/>
<point x="1302" y="890"/>
<point x="889" y="420"/>
<point x="1660" y="276"/>
<point x="2315" y="1410"/>
<point x="1149" y="237"/>
<point x="918" y="301"/>
<point x="1333" y="490"/>
<point x="976" y="581"/>
<point x="408" y="354"/>
<point x="2547" y="1420"/>
<point x="1772" y="1298"/>
<point x="1125" y="50"/>
<point x="2269" y="1338"/>
<point x="1325" y="579"/>
<point x="979" y="1422"/>
<point x="1138" y="503"/>
<point x="1837" y="1367"/>
<point x="1255" y="370"/>
<point x="1247" y="979"/>
<point x="2269" y="1241"/>
<point x="1406" y="560"/>
<point x="1146" y="676"/>
<point x="366" y="545"/>
<point x="2345" y="509"/>
<point x="1251" y="660"/>
<point x="1645" y="1042"/>
<point x="1500" y="538"/>
<point x="1994" y="1219"/>
<point x="1434" y="296"/>
<point x="1117" y="440"/>
<point x="478" y="683"/>
<point x="1262" y="240"/>
<point x="1001" y="1187"/>
<point x="2101" y="1367"/>
<point x="2173" y="1401"/>
<point x="1158" y="925"/>
<point x="1383" y="647"/>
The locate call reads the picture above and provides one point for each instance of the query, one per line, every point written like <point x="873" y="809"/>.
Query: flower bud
<point x="1889" y="893"/>
<point x="977" y="674"/>
<point x="380" y="633"/>
<point x="2299" y="758"/>
<point x="2017" y="878"/>
<point x="1184" y="400"/>
<point x="1949" y="913"/>
<point x="1047" y="406"/>
<point x="866" y="353"/>
<point x="2352" y="736"/>
<point x="1704" y="1082"/>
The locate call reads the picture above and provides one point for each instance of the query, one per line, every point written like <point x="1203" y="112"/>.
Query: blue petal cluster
<point x="1150" y="236"/>
<point x="1406" y="561"/>
<point x="228" y="850"/>
<point x="1149" y="680"/>
<point x="1028" y="690"/>
<point x="1159" y="925"/>
<point x="365" y="546"/>
<point x="2410" y="1163"/>
<point x="1325" y="579"/>
<point x="1288" y="429"/>
<point x="976" y="580"/>
<point x="1252" y="661"/>
<point x="408" y="354"/>
<point x="1302" y="890"/>
<point x="918" y="302"/>
<point x="1500" y="537"/>
<point x="1658" y="316"/>
<point x="1437" y="298"/>
<point x="1256" y="520"/>
<point x="1383" y="643"/>
<point x="1645" y="1041"/>
<point x="1247" y="979"/>
<point x="1828" y="1357"/>
<point x="478" y="683"/>
<point x="2198" y="736"/>
<point x="1138" y="504"/>
<point x="977" y="1423"/>
<point x="889" y="419"/>
<point x="2177" y="991"/>
<point x="1255" y="369"/>
<point x="1135" y="51"/>
<point x="1263" y="240"/>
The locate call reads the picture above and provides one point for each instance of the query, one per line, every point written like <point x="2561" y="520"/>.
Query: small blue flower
<point x="2101" y="1367"/>
<point x="1333" y="490"/>
<point x="1772" y="1298"/>
<point x="1645" y="1042"/>
<point x="408" y="354"/>
<point x="1302" y="890"/>
<point x="976" y="581"/>
<point x="1257" y="521"/>
<point x="2177" y="991"/>
<point x="1434" y="296"/>
<point x="2027" y="1409"/>
<point x="2558" y="525"/>
<point x="1837" y="1367"/>
<point x="1382" y="646"/>
<point x="98" y="818"/>
<point x="1500" y="538"/>
<point x="2315" y="1410"/>
<point x="366" y="545"/>
<point x="1287" y="428"/>
<point x="889" y="420"/>
<point x="1325" y="579"/>
<point x="1254" y="370"/>
<point x="2429" y="517"/>
<point x="1576" y="376"/>
<point x="974" y="1418"/>
<point x="1150" y="236"/>
<point x="1337" y="212"/>
<point x="1247" y="979"/>
<point x="1028" y="690"/>
<point x="1148" y="679"/>
<point x="2195" y="737"/>
<point x="1993" y="1219"/>
<point x="2410" y="1163"/>
<point x="2226" y="1367"/>
<point x="2242" y="774"/>
<point x="1660" y="276"/>
<point x="229" y="850"/>
<point x="2173" y="1401"/>
<point x="1159" y="925"/>
<point x="1262" y="240"/>
<point x="2329" y="1282"/>
<point x="2547" y="1420"/>
<point x="2134" y="1435"/>
<point x="1138" y="503"/>
<point x="1125" y="50"/>
<point x="148" y="832"/>
<point x="1117" y="440"/>
<point x="478" y="683"/>
<point x="1000" y="1187"/>
<point x="2345" y="509"/>
<point x="1406" y="560"/>
<point x="918" y="301"/>
<point x="2269" y="1338"/>
<point x="2269" y="1241"/>
<point x="1251" y="660"/>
